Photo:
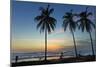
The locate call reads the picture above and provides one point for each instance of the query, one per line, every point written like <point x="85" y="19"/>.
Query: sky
<point x="25" y="37"/>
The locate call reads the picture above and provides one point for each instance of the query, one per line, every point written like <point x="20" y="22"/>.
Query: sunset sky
<point x="27" y="38"/>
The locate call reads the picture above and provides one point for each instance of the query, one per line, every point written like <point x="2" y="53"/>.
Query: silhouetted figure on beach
<point x="16" y="59"/>
<point x="40" y="58"/>
<point x="61" y="56"/>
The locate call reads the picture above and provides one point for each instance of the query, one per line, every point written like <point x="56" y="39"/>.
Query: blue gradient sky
<point x="24" y="32"/>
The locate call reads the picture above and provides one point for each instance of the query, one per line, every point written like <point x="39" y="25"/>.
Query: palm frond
<point x="39" y="24"/>
<point x="65" y="16"/>
<point x="65" y="25"/>
<point x="48" y="28"/>
<point x="89" y="14"/>
<point x="68" y="21"/>
<point x="85" y="23"/>
<point x="52" y="23"/>
<point x="77" y="15"/>
<point x="42" y="9"/>
<point x="51" y="11"/>
<point x="52" y="26"/>
<point x="91" y="23"/>
<point x="42" y="27"/>
<point x="45" y="21"/>
<point x="73" y="25"/>
<point x="38" y="18"/>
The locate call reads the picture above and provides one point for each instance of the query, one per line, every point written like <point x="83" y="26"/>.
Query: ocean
<point x="37" y="56"/>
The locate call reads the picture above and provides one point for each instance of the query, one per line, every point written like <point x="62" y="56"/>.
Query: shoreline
<point x="55" y="61"/>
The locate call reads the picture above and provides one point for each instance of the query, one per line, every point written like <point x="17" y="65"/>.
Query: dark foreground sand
<point x="55" y="61"/>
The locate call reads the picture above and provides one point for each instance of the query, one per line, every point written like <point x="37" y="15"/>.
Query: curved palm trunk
<point x="45" y="44"/>
<point x="91" y="43"/>
<point x="74" y="44"/>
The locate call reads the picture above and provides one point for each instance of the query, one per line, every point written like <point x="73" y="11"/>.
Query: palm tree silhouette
<point x="86" y="24"/>
<point x="46" y="23"/>
<point x="68" y="22"/>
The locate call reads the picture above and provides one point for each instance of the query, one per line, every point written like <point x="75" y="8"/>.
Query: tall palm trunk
<point x="91" y="43"/>
<point x="74" y="43"/>
<point x="45" y="43"/>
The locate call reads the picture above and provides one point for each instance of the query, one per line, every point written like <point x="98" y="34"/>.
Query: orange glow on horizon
<point x="53" y="47"/>
<point x="37" y="45"/>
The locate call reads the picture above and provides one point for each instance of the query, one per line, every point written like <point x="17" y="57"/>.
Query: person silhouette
<point x="16" y="59"/>
<point x="61" y="56"/>
<point x="40" y="58"/>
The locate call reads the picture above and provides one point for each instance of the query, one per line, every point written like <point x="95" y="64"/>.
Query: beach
<point x="54" y="61"/>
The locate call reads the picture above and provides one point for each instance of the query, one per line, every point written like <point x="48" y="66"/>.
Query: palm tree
<point x="68" y="22"/>
<point x="46" y="23"/>
<point x="86" y="24"/>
